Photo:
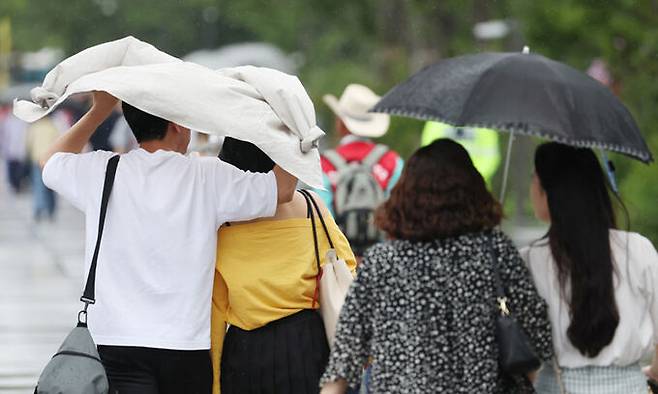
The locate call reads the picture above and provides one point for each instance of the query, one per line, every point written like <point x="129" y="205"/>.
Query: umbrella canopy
<point x="521" y="93"/>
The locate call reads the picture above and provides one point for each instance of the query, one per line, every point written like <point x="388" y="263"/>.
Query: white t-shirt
<point x="636" y="293"/>
<point x="156" y="262"/>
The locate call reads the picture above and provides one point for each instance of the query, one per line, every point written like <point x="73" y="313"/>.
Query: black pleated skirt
<point x="288" y="355"/>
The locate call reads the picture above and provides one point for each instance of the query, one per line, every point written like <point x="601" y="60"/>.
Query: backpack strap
<point x="335" y="159"/>
<point x="375" y="155"/>
<point x="89" y="295"/>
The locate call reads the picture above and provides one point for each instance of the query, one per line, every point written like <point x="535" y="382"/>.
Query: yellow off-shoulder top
<point x="265" y="271"/>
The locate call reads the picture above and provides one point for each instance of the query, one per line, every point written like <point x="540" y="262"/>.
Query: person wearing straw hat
<point x="359" y="173"/>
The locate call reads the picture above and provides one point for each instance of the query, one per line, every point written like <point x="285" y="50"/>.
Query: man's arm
<point x="338" y="386"/>
<point x="285" y="185"/>
<point x="74" y="140"/>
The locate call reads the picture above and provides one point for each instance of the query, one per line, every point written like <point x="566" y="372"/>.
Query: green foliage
<point x="380" y="43"/>
<point x="177" y="27"/>
<point x="625" y="34"/>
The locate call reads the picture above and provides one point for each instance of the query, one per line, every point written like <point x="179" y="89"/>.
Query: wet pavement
<point x="40" y="283"/>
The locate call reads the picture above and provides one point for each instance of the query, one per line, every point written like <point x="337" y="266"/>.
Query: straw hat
<point x="352" y="108"/>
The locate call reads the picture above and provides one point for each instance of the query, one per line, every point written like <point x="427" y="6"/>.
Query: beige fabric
<point x="334" y="284"/>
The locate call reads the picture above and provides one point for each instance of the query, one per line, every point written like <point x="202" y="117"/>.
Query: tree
<point x="381" y="43"/>
<point x="625" y="34"/>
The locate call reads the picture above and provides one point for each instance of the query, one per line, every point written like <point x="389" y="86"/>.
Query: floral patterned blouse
<point x="425" y="313"/>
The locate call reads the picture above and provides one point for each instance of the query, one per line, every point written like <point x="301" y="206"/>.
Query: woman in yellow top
<point x="265" y="283"/>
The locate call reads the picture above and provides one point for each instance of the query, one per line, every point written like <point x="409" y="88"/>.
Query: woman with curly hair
<point x="423" y="305"/>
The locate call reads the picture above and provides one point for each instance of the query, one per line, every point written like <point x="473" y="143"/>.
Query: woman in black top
<point x="423" y="305"/>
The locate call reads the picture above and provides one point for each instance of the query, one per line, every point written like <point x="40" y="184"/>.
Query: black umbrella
<point x="520" y="93"/>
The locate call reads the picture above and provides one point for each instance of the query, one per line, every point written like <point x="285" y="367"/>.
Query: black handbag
<point x="515" y="355"/>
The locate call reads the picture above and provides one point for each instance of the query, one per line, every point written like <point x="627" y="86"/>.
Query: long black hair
<point x="579" y="236"/>
<point x="245" y="156"/>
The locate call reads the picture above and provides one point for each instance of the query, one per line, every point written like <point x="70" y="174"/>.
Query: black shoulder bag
<point x="76" y="368"/>
<point x="515" y="355"/>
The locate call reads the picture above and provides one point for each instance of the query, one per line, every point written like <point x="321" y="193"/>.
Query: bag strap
<point x="375" y="155"/>
<point x="501" y="298"/>
<point x="309" y="207"/>
<point x="89" y="295"/>
<point x="310" y="198"/>
<point x="335" y="159"/>
<point x="311" y="215"/>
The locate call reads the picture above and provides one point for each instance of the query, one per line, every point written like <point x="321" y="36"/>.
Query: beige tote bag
<point x="334" y="277"/>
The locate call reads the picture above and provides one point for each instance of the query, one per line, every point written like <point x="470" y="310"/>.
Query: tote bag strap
<point x="318" y="277"/>
<point x="89" y="294"/>
<point x="310" y="198"/>
<point x="311" y="215"/>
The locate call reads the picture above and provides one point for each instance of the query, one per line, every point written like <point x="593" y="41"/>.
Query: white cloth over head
<point x="263" y="106"/>
<point x="282" y="93"/>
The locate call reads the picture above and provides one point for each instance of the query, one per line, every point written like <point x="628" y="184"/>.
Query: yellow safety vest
<point x="480" y="143"/>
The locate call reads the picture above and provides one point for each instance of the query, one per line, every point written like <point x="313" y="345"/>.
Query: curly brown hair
<point x="440" y="194"/>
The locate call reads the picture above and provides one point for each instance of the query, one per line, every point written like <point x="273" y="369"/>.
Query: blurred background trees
<point x="380" y="43"/>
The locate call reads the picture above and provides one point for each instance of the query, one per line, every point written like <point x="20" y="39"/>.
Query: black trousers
<point x="140" y="370"/>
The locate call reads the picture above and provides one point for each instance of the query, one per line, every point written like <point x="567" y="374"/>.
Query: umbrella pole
<point x="508" y="157"/>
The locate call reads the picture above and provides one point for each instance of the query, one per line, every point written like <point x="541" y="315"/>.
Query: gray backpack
<point x="76" y="368"/>
<point x="357" y="196"/>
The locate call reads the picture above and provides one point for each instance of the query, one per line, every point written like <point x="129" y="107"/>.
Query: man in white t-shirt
<point x="151" y="319"/>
